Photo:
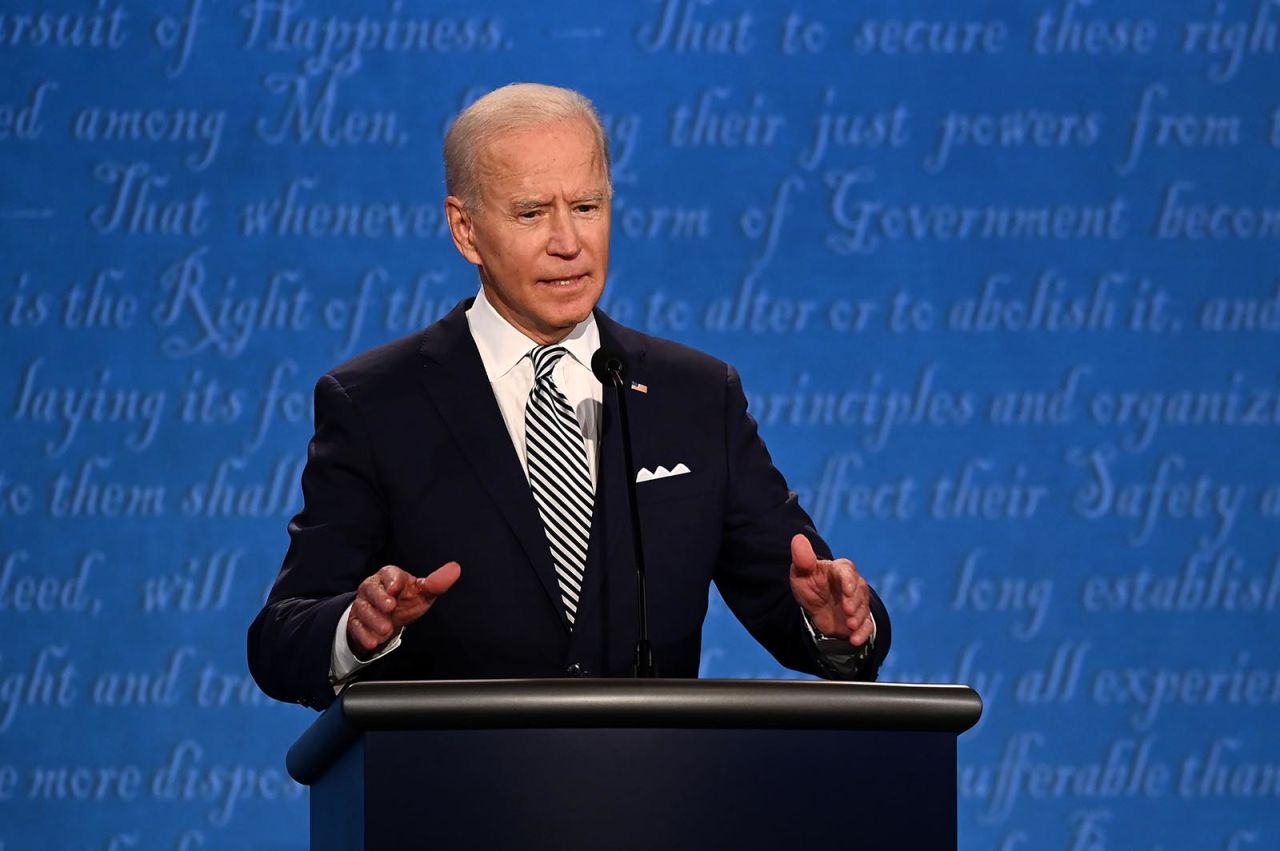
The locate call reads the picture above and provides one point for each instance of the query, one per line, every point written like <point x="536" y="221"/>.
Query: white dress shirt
<point x="504" y="352"/>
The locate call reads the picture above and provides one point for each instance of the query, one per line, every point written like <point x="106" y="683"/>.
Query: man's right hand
<point x="390" y="599"/>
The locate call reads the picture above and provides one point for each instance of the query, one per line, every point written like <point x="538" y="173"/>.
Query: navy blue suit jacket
<point x="411" y="464"/>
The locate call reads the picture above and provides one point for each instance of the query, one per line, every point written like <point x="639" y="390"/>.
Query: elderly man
<point x="465" y="503"/>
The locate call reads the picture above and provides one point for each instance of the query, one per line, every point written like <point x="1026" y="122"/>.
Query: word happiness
<point x="280" y="26"/>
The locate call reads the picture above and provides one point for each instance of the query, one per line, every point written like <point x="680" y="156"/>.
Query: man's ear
<point x="462" y="228"/>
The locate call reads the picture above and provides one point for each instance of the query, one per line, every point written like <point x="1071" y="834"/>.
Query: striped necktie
<point x="558" y="475"/>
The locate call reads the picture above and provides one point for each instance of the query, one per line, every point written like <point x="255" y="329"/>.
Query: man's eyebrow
<point x="521" y="205"/>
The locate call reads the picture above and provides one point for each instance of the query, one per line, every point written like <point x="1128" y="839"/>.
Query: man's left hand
<point x="832" y="591"/>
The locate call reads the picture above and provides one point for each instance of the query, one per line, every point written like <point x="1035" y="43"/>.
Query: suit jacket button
<point x="575" y="670"/>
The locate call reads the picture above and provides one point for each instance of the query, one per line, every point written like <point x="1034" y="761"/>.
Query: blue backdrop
<point x="1001" y="278"/>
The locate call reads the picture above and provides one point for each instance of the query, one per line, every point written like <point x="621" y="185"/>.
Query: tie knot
<point x="545" y="359"/>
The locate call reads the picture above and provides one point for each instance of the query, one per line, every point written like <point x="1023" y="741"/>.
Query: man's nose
<point x="563" y="240"/>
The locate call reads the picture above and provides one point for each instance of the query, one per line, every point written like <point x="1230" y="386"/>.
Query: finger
<point x="360" y="635"/>
<point x="379" y="625"/>
<point x="858" y="606"/>
<point x="840" y="580"/>
<point x="852" y="590"/>
<point x="372" y="592"/>
<point x="372" y="620"/>
<point x="364" y="610"/>
<point x="803" y="559"/>
<point x="861" y="615"/>
<point x="441" y="579"/>
<point x="392" y="579"/>
<point x="862" y="634"/>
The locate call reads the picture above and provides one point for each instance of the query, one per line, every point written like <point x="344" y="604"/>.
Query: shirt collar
<point x="502" y="346"/>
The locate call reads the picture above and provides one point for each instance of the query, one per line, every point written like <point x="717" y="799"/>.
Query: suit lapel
<point x="454" y="377"/>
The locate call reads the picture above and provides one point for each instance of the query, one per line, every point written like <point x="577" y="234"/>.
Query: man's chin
<point x="567" y="322"/>
<point x="571" y="308"/>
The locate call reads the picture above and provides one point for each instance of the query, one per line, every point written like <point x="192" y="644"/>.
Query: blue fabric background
<point x="1001" y="279"/>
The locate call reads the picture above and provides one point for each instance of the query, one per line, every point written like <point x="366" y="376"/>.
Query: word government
<point x="865" y="224"/>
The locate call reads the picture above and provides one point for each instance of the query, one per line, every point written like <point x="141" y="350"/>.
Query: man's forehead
<point x="561" y="153"/>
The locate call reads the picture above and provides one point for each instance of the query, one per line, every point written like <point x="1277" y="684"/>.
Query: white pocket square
<point x="645" y="475"/>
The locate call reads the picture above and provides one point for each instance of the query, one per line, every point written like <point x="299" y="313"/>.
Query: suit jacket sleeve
<point x="761" y="517"/>
<point x="334" y="543"/>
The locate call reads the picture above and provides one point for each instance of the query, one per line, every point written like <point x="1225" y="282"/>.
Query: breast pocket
<point x="685" y="486"/>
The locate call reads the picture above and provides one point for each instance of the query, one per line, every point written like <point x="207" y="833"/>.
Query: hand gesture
<point x="390" y="599"/>
<point x="832" y="591"/>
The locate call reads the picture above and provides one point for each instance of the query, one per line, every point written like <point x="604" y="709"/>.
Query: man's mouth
<point x="564" y="282"/>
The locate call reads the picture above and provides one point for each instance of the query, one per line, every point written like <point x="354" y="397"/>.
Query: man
<point x="465" y="507"/>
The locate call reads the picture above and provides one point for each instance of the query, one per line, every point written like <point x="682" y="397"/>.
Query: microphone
<point x="610" y="367"/>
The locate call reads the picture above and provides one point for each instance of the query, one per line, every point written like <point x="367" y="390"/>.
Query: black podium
<point x="643" y="764"/>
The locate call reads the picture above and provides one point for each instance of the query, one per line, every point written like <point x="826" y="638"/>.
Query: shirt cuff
<point x="343" y="663"/>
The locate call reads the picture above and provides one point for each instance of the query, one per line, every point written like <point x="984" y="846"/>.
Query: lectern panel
<point x="658" y="788"/>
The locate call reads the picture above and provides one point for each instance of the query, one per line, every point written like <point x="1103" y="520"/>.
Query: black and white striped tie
<point x="558" y="475"/>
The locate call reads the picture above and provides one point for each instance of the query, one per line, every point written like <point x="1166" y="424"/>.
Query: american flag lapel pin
<point x="639" y="388"/>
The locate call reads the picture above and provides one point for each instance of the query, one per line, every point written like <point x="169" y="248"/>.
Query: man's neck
<point x="502" y="344"/>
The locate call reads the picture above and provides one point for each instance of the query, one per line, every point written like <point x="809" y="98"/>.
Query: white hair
<point x="513" y="107"/>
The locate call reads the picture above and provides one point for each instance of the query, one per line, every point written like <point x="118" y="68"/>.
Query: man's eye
<point x="529" y="215"/>
<point x="587" y="208"/>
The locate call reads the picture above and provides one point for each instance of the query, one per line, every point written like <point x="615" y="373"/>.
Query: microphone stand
<point x="644" y="667"/>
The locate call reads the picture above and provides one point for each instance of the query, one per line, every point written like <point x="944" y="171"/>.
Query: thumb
<point x="441" y="579"/>
<point x="803" y="560"/>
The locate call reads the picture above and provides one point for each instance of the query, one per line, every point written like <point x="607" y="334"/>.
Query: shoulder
<point x="392" y="366"/>
<point x="667" y="358"/>
<point x="379" y="368"/>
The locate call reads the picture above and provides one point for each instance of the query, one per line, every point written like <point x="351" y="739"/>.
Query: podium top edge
<point x="621" y="703"/>
<point x="768" y="704"/>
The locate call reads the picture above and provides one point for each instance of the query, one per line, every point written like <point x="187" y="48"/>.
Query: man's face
<point x="541" y="236"/>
